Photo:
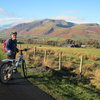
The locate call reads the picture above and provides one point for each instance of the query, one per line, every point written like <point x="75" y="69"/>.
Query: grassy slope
<point x="78" y="32"/>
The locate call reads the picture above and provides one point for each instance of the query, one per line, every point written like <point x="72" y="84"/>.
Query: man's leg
<point x="12" y="57"/>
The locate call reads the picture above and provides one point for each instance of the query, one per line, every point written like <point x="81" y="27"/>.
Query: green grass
<point x="73" y="52"/>
<point x="70" y="88"/>
<point x="87" y="51"/>
<point x="91" y="51"/>
<point x="56" y="39"/>
<point x="95" y="36"/>
<point x="2" y="54"/>
<point x="63" y="88"/>
<point x="79" y="37"/>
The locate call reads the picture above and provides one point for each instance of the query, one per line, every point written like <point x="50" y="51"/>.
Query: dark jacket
<point x="11" y="45"/>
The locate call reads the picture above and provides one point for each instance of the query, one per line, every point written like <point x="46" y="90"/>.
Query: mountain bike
<point x="6" y="69"/>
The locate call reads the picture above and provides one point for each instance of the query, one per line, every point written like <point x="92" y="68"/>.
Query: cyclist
<point x="11" y="46"/>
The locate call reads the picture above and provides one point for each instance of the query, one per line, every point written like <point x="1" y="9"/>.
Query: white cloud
<point x="13" y="20"/>
<point x="5" y="13"/>
<point x="9" y="19"/>
<point x="69" y="18"/>
<point x="65" y="16"/>
<point x="22" y="20"/>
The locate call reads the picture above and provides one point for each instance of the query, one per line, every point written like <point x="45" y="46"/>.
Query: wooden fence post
<point x="45" y="55"/>
<point x="34" y="51"/>
<point x="81" y="63"/>
<point x="60" y="60"/>
<point x="27" y="46"/>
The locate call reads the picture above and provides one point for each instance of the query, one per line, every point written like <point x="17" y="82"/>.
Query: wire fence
<point x="55" y="59"/>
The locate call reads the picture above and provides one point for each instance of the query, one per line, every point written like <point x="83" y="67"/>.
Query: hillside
<point x="56" y="28"/>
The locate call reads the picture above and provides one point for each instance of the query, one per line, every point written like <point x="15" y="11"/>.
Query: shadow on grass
<point x="53" y="80"/>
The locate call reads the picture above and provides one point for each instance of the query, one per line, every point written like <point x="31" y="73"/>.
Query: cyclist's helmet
<point x="13" y="32"/>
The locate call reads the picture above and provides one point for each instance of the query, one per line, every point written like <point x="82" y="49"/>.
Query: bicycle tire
<point x="5" y="75"/>
<point x="24" y="68"/>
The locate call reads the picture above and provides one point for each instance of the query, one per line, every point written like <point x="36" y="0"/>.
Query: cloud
<point x="14" y="20"/>
<point x="9" y="19"/>
<point x="69" y="18"/>
<point x="3" y="12"/>
<point x="6" y="13"/>
<point x="65" y="16"/>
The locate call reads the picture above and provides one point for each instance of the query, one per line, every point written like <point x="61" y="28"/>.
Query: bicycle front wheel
<point x="24" y="68"/>
<point x="5" y="72"/>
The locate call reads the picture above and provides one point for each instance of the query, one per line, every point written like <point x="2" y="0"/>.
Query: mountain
<point x="56" y="28"/>
<point x="5" y="26"/>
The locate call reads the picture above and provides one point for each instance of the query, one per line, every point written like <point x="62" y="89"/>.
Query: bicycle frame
<point x="18" y="60"/>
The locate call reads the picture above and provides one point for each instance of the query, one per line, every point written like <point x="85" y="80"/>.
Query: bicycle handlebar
<point x="21" y="51"/>
<point x="26" y="49"/>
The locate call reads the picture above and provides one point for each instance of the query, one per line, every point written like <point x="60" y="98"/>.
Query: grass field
<point x="61" y="84"/>
<point x="91" y="55"/>
<point x="64" y="88"/>
<point x="87" y="51"/>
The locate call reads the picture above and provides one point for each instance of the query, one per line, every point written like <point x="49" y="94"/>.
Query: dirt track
<point x="20" y="89"/>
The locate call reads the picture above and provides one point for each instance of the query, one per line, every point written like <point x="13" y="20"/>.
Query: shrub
<point x="96" y="78"/>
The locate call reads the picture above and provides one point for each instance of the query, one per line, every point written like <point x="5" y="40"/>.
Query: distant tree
<point x="70" y="41"/>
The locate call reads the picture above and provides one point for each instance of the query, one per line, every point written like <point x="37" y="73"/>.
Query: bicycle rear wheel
<point x="5" y="72"/>
<point x="24" y="68"/>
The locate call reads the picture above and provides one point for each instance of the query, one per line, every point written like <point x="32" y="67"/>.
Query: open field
<point x="90" y="55"/>
<point x="88" y="51"/>
<point x="64" y="84"/>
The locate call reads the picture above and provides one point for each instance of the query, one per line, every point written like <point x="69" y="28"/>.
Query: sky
<point x="77" y="11"/>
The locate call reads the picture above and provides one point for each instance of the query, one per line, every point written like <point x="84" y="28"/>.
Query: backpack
<point x="4" y="45"/>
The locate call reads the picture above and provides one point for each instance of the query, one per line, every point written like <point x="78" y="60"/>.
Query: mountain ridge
<point x="56" y="28"/>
